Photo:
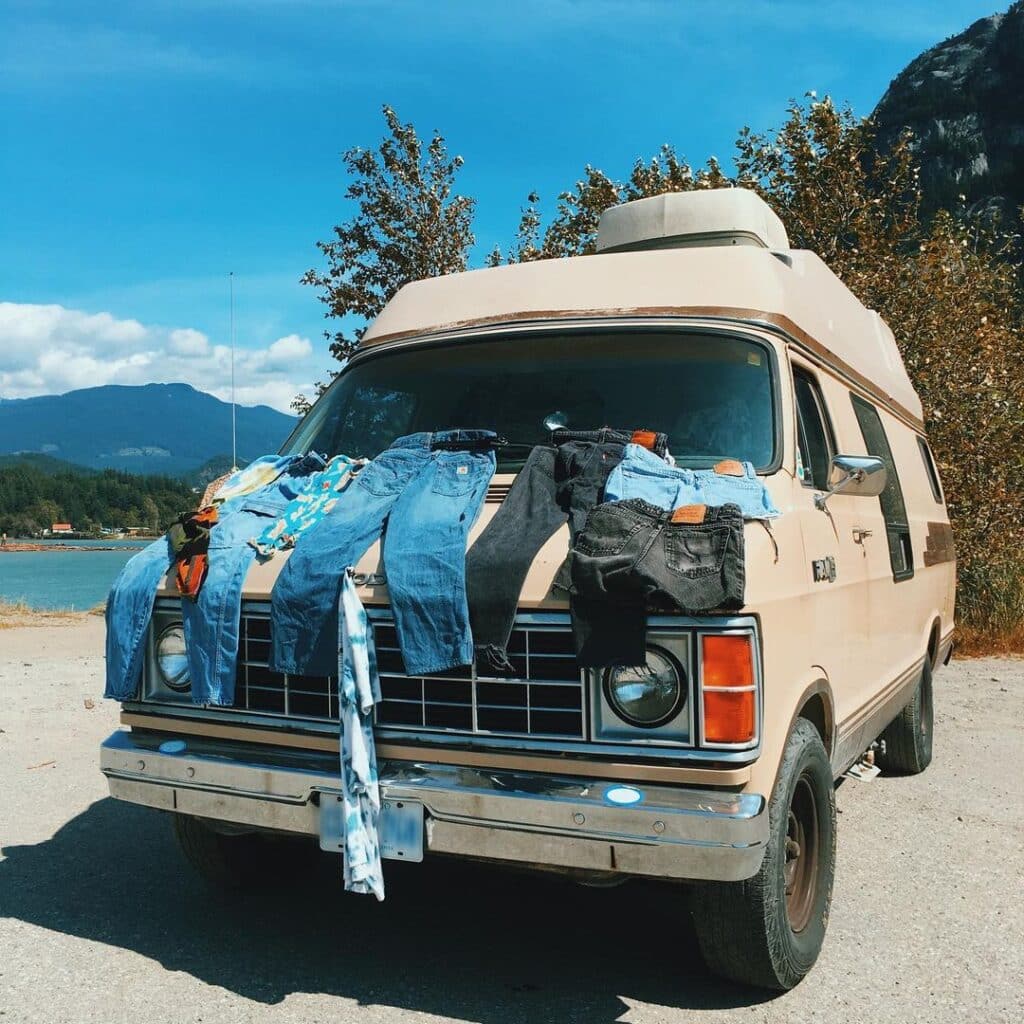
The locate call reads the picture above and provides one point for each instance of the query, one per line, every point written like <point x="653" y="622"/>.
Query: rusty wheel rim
<point x="801" y="851"/>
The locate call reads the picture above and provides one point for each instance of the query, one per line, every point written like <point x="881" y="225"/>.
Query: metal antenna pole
<point x="231" y="294"/>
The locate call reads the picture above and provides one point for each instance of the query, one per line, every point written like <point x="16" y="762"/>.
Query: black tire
<point x="908" y="739"/>
<point x="228" y="864"/>
<point x="754" y="932"/>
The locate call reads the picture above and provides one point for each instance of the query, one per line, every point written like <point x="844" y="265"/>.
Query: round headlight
<point x="171" y="659"/>
<point x="649" y="695"/>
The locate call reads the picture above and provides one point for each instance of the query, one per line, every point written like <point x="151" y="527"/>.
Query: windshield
<point x="710" y="393"/>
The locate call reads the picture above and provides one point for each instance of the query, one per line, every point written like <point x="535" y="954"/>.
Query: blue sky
<point x="146" y="149"/>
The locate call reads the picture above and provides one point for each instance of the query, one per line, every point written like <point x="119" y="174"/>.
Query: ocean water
<point x="77" y="580"/>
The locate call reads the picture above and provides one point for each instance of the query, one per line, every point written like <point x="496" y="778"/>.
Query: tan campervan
<point x="697" y="320"/>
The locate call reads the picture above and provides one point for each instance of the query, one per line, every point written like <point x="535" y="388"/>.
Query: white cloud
<point x="286" y="352"/>
<point x="184" y="341"/>
<point x="52" y="349"/>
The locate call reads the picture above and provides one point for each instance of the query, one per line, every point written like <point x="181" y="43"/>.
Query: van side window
<point x="813" y="434"/>
<point x="894" y="511"/>
<point x="929" y="468"/>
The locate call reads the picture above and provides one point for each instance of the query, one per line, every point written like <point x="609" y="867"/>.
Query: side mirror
<point x="855" y="474"/>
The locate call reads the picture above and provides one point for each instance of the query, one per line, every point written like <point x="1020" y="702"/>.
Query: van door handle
<point x="859" y="534"/>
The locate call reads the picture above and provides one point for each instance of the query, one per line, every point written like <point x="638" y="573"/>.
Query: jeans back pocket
<point x="383" y="477"/>
<point x="696" y="550"/>
<point x="606" y="532"/>
<point x="454" y="476"/>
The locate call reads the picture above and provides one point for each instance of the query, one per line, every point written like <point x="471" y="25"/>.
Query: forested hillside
<point x="32" y="498"/>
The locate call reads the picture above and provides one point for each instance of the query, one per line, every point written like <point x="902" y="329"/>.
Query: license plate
<point x="400" y="830"/>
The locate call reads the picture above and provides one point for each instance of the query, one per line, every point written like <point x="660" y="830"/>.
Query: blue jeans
<point x="643" y="475"/>
<point x="211" y="623"/>
<point x="429" y="500"/>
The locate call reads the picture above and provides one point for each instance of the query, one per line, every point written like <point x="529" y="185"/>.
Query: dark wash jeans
<point x="558" y="484"/>
<point x="630" y="553"/>
<point x="424" y="501"/>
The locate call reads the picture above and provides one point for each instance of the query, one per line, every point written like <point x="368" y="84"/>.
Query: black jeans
<point x="630" y="554"/>
<point x="558" y="484"/>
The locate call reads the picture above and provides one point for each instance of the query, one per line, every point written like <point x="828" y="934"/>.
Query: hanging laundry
<point x="358" y="692"/>
<point x="631" y="553"/>
<point x="258" y="474"/>
<point x="428" y="489"/>
<point x="315" y="501"/>
<point x="558" y="484"/>
<point x="189" y="538"/>
<point x="643" y="475"/>
<point x="211" y="621"/>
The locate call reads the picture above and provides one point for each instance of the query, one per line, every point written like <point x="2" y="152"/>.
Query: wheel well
<point x="817" y="711"/>
<point x="933" y="644"/>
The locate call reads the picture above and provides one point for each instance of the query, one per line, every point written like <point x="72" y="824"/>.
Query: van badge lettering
<point x="824" y="569"/>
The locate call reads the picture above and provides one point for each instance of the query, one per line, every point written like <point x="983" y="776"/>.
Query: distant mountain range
<point x="171" y="429"/>
<point x="964" y="101"/>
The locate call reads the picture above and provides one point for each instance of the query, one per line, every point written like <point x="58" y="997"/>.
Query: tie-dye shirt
<point x="317" y="498"/>
<point x="262" y="472"/>
<point x="358" y="692"/>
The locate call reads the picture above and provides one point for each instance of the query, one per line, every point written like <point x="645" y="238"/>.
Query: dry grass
<point x="974" y="643"/>
<point x="15" y="614"/>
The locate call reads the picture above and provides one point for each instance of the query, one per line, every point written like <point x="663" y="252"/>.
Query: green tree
<point x="409" y="224"/>
<point x="948" y="290"/>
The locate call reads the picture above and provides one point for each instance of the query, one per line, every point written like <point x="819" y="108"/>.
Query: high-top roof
<point x="676" y="220"/>
<point x="793" y="290"/>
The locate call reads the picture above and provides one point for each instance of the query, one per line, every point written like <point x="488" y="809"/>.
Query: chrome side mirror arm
<point x="821" y="500"/>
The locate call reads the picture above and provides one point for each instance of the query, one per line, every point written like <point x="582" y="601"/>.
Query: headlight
<point x="171" y="659"/>
<point x="648" y="696"/>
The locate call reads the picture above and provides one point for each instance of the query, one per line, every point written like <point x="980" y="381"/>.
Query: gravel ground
<point x="101" y="920"/>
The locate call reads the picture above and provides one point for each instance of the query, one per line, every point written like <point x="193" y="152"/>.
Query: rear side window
<point x="894" y="511"/>
<point x="929" y="468"/>
<point x="814" y="439"/>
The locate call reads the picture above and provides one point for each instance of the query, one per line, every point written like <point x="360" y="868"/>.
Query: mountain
<point x="964" y="101"/>
<point x="170" y="429"/>
<point x="45" y="464"/>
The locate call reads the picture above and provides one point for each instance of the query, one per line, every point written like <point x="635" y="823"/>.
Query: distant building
<point x="62" y="528"/>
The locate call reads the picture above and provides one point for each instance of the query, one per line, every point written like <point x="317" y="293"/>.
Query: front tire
<point x="227" y="863"/>
<point x="768" y="930"/>
<point x="908" y="739"/>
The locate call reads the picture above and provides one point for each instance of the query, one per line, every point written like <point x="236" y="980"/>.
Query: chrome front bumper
<point x="524" y="817"/>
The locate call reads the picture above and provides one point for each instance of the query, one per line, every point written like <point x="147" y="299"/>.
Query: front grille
<point x="543" y="696"/>
<point x="497" y="493"/>
<point x="261" y="690"/>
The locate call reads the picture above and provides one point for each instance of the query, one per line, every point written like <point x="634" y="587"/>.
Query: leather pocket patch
<point x="689" y="514"/>
<point x="730" y="467"/>
<point x="645" y="438"/>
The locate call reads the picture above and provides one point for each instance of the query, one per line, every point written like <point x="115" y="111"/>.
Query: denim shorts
<point x="643" y="475"/>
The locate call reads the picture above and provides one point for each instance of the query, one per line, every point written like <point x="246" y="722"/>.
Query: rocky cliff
<point x="964" y="101"/>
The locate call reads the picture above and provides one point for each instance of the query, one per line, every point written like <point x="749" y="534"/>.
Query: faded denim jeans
<point x="427" y="499"/>
<point x="211" y="623"/>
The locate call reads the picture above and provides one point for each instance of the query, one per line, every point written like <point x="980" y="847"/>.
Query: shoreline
<point x="21" y="548"/>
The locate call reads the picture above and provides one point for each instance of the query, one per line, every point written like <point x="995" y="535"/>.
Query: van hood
<point x="538" y="592"/>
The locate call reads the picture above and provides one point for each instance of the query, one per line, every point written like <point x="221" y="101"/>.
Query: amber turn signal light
<point x="727" y="679"/>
